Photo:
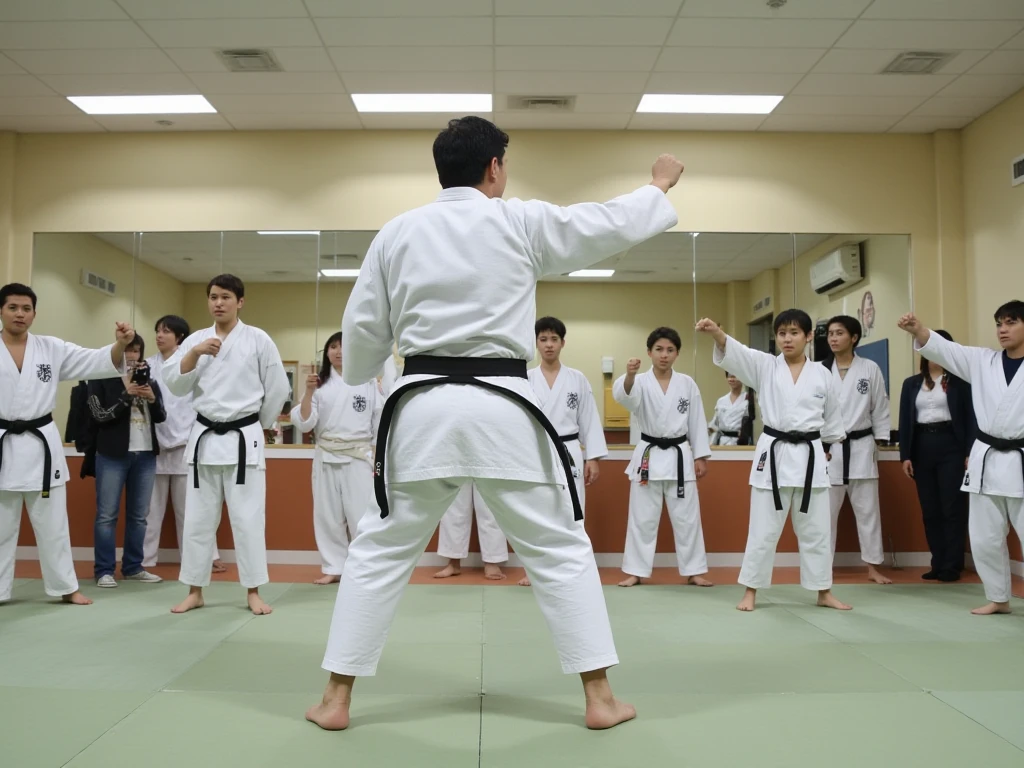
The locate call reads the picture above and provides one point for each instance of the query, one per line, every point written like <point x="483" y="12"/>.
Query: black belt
<point x="30" y="427"/>
<point x="1003" y="446"/>
<point x="222" y="428"/>
<point x="935" y="426"/>
<point x="467" y="371"/>
<point x="795" y="438"/>
<point x="665" y="443"/>
<point x="727" y="433"/>
<point x="856" y="434"/>
<point x="568" y="439"/>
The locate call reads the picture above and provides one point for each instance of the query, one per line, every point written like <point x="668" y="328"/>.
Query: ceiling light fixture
<point x="143" y="105"/>
<point x="339" y="273"/>
<point x="422" y="102"/>
<point x="705" y="104"/>
<point x="592" y="273"/>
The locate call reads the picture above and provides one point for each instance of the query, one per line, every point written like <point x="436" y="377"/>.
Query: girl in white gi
<point x="344" y="420"/>
<point x="995" y="470"/>
<point x="455" y="282"/>
<point x="800" y="408"/>
<point x="733" y="414"/>
<point x="853" y="466"/>
<point x="172" y="435"/>
<point x="33" y="470"/>
<point x="567" y="400"/>
<point x="238" y="385"/>
<point x="454" y="534"/>
<point x="671" y="457"/>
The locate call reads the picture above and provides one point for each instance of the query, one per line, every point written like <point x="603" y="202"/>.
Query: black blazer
<point x="110" y="409"/>
<point x="961" y="408"/>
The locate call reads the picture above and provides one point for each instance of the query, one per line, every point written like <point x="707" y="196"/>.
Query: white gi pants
<point x="341" y="493"/>
<point x="247" y="511"/>
<point x="176" y="487"/>
<point x="988" y="524"/>
<point x="49" y="518"/>
<point x="645" y="503"/>
<point x="867" y="509"/>
<point x="812" y="533"/>
<point x="538" y="520"/>
<point x="453" y="534"/>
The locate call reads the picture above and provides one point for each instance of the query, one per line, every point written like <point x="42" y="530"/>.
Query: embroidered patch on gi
<point x="761" y="461"/>
<point x="683" y="406"/>
<point x="862" y="386"/>
<point x="967" y="479"/>
<point x="359" y="403"/>
<point x="56" y="475"/>
<point x="44" y="372"/>
<point x="572" y="401"/>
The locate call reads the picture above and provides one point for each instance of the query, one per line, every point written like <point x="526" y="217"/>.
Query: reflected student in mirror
<point x="733" y="422"/>
<point x="667" y="463"/>
<point x="33" y="470"/>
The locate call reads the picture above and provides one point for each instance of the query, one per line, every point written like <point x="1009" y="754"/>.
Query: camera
<point x="140" y="375"/>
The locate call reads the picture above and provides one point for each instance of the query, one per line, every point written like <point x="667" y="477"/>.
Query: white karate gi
<point x="458" y="278"/>
<point x="865" y="405"/>
<point x="811" y="404"/>
<point x="997" y="499"/>
<point x="457" y="523"/>
<point x="26" y="395"/>
<point x="729" y="417"/>
<point x="245" y="377"/>
<point x="344" y="420"/>
<point x="677" y="412"/>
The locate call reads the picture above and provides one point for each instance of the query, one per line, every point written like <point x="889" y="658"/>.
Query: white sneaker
<point x="107" y="582"/>
<point x="146" y="576"/>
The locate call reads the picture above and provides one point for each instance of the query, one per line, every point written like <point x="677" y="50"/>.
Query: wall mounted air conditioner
<point x="837" y="270"/>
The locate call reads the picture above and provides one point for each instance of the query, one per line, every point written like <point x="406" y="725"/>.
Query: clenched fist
<point x="209" y="347"/>
<point x="666" y="172"/>
<point x="632" y="366"/>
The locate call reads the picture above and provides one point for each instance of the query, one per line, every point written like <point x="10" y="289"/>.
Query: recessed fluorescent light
<point x="592" y="273"/>
<point x="142" y="105"/>
<point x="339" y="272"/>
<point x="699" y="104"/>
<point x="422" y="102"/>
<point x="289" y="232"/>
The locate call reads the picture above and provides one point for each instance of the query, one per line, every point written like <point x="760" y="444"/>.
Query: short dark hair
<point x="139" y="342"/>
<point x="16" y="289"/>
<point x="851" y="324"/>
<point x="176" y="325"/>
<point x="1011" y="310"/>
<point x="464" y="150"/>
<point x="669" y="334"/>
<point x="228" y="283"/>
<point x="551" y="325"/>
<point x="796" y="317"/>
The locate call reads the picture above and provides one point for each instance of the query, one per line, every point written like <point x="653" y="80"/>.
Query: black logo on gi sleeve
<point x="44" y="372"/>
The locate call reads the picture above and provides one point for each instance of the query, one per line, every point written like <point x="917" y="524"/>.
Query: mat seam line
<point x="964" y="714"/>
<point x="480" y="697"/>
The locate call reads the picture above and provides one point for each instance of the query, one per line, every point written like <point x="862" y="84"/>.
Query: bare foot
<point x="748" y="601"/>
<point x="194" y="600"/>
<point x="699" y="581"/>
<point x="632" y="581"/>
<point x="331" y="713"/>
<point x="602" y="715"/>
<point x="525" y="581"/>
<point x="493" y="572"/>
<point x="827" y="600"/>
<point x="991" y="608"/>
<point x="328" y="578"/>
<point x="219" y="567"/>
<point x="448" y="571"/>
<point x="256" y="604"/>
<point x="76" y="598"/>
<point x="875" y="576"/>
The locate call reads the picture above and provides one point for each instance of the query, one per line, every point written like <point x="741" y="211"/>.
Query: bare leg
<point x="603" y="709"/>
<point x="454" y="568"/>
<point x="827" y="600"/>
<point x="256" y="604"/>
<point x="194" y="600"/>
<point x="219" y="567"/>
<point x="632" y="581"/>
<point x="493" y="572"/>
<point x="992" y="608"/>
<point x="525" y="582"/>
<point x="875" y="576"/>
<point x="699" y="581"/>
<point x="328" y="578"/>
<point x="331" y="714"/>
<point x="748" y="601"/>
<point x="77" y="598"/>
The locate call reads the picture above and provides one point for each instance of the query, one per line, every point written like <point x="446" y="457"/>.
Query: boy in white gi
<point x="733" y="414"/>
<point x="455" y="283"/>
<point x="853" y="466"/>
<point x="344" y="420"/>
<point x="33" y="470"/>
<point x="995" y="470"/>
<point x="799" y="408"/>
<point x="454" y="534"/>
<point x="670" y="458"/>
<point x="238" y="384"/>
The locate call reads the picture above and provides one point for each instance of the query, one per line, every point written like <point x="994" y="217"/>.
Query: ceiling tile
<point x="413" y="59"/>
<point x="580" y="31"/>
<point x="696" y="82"/>
<point x="8" y="67"/>
<point x="59" y="10"/>
<point x="425" y="121"/>
<point x="648" y="122"/>
<point x="198" y="59"/>
<point x="871" y="85"/>
<point x="756" y="33"/>
<point x="119" y="85"/>
<point x="214" y="9"/>
<point x="860" y="61"/>
<point x="957" y="106"/>
<point x="587" y="7"/>
<point x="831" y="9"/>
<point x="291" y="122"/>
<point x="54" y="35"/>
<point x="378" y="8"/>
<point x="577" y="58"/>
<point x="738" y="60"/>
<point x="1016" y="43"/>
<point x="136" y="61"/>
<point x="406" y="31"/>
<point x="49" y="124"/>
<point x="829" y="123"/>
<point x="304" y="59"/>
<point x="23" y="85"/>
<point x="1001" y="63"/>
<point x="149" y="123"/>
<point x="573" y="121"/>
<point x="268" y="82"/>
<point x="848" y="105"/>
<point x="232" y="33"/>
<point x="419" y="82"/>
<point x="927" y="124"/>
<point x="282" y="104"/>
<point x="904" y="35"/>
<point x="569" y="83"/>
<point x="37" y="106"/>
<point x="979" y="86"/>
<point x="945" y="9"/>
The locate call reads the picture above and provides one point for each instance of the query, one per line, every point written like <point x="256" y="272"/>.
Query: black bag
<point x="81" y="429"/>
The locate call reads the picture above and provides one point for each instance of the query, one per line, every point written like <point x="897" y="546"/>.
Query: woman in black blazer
<point x="937" y="430"/>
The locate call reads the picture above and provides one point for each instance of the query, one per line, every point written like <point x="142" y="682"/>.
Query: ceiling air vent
<point x="1017" y="171"/>
<point x="918" y="63"/>
<point x="250" y="60"/>
<point x="542" y="103"/>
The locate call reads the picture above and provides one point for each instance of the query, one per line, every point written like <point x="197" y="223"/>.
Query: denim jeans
<point x="135" y="472"/>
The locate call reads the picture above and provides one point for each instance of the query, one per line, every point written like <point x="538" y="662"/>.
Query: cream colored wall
<point x="993" y="216"/>
<point x="763" y="286"/>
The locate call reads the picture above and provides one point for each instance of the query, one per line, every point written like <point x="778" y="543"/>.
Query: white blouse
<point x="933" y="405"/>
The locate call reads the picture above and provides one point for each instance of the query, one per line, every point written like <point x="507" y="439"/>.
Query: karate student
<point x="344" y="419"/>
<point x="995" y="470"/>
<point x="33" y="470"/>
<point x="238" y="384"/>
<point x="667" y="462"/>
<point x="567" y="400"/>
<point x="454" y="533"/>
<point x="172" y="435"/>
<point x="454" y="282"/>
<point x="799" y="408"/>
<point x="853" y="466"/>
<point x="733" y="414"/>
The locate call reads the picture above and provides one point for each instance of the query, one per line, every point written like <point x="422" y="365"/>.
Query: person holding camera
<point x="125" y="412"/>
